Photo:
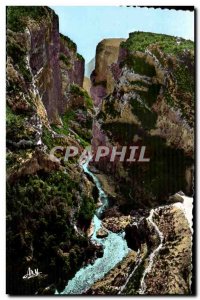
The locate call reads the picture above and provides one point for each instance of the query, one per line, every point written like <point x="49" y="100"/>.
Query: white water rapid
<point x="114" y="246"/>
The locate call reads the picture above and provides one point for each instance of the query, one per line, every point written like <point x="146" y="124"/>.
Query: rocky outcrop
<point x="102" y="79"/>
<point x="36" y="161"/>
<point x="112" y="282"/>
<point x="72" y="71"/>
<point x="170" y="273"/>
<point x="49" y="57"/>
<point x="151" y="104"/>
<point x="102" y="233"/>
<point x="117" y="224"/>
<point x="43" y="54"/>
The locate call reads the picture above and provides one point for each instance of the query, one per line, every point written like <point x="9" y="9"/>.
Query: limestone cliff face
<point x="43" y="54"/>
<point x="46" y="197"/>
<point x="52" y="59"/>
<point x="152" y="104"/>
<point x="72" y="71"/>
<point x="106" y="54"/>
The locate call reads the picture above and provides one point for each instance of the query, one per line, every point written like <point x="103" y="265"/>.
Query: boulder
<point x="102" y="233"/>
<point x="176" y="198"/>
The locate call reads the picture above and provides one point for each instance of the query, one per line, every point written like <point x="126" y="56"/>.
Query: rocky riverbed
<point x="170" y="272"/>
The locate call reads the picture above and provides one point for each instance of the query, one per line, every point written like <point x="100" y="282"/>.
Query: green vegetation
<point x="185" y="78"/>
<point x="147" y="117"/>
<point x="87" y="210"/>
<point x="38" y="217"/>
<point x="78" y="91"/>
<point x="168" y="98"/>
<point x="17" y="16"/>
<point x="71" y="45"/>
<point x="109" y="105"/>
<point x="19" y="59"/>
<point x="120" y="132"/>
<point x="81" y="132"/>
<point x="24" y="71"/>
<point x="139" y="65"/>
<point x="65" y="59"/>
<point x="66" y="118"/>
<point x="15" y="51"/>
<point x="88" y="101"/>
<point x="139" y="41"/>
<point x="80" y="57"/>
<point x="151" y="95"/>
<point x="184" y="98"/>
<point x="48" y="139"/>
<point x="15" y="126"/>
<point x="13" y="119"/>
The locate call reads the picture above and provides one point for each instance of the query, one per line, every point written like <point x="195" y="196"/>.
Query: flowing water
<point x="115" y="249"/>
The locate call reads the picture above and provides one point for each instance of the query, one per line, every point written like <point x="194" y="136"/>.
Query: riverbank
<point x="107" y="184"/>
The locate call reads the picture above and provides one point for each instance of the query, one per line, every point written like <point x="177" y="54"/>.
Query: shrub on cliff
<point x="87" y="210"/>
<point x="16" y="16"/>
<point x="139" y="41"/>
<point x="70" y="43"/>
<point x="39" y="229"/>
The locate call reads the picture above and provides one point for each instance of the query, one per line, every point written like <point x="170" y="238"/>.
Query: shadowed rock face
<point x="137" y="235"/>
<point x="151" y="103"/>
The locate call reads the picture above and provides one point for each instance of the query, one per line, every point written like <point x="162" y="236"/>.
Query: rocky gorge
<point x="141" y="92"/>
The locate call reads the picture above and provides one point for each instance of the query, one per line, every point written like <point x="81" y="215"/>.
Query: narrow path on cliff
<point x="151" y="257"/>
<point x="115" y="249"/>
<point x="153" y="254"/>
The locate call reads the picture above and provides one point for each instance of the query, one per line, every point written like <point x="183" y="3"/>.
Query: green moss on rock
<point x="71" y="45"/>
<point x="65" y="59"/>
<point x="139" y="41"/>
<point x="17" y="16"/>
<point x="147" y="117"/>
<point x="139" y="65"/>
<point x="18" y="55"/>
<point x="80" y="57"/>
